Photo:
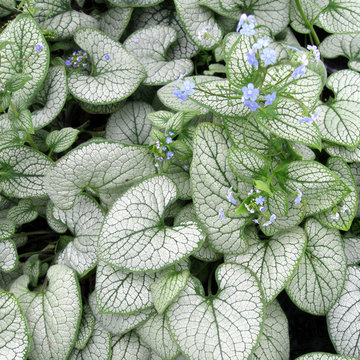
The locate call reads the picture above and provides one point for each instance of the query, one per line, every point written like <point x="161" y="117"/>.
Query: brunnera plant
<point x="168" y="168"/>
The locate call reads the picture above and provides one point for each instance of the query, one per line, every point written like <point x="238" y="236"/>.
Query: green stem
<point x="30" y="140"/>
<point x="307" y="22"/>
<point x="10" y="9"/>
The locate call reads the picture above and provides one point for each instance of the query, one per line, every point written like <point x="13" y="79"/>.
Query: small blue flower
<point x="221" y="213"/>
<point x="164" y="148"/>
<point x="268" y="56"/>
<point x="179" y="94"/>
<point x="253" y="105"/>
<point x="259" y="200"/>
<point x="157" y="144"/>
<point x="68" y="62"/>
<point x="335" y="216"/>
<point x="250" y="92"/>
<point x="245" y="19"/>
<point x="271" y="220"/>
<point x="306" y="119"/>
<point x="84" y="65"/>
<point x="171" y="133"/>
<point x="188" y="87"/>
<point x="169" y="140"/>
<point x="299" y="71"/>
<point x="156" y="165"/>
<point x="79" y="58"/>
<point x="230" y="196"/>
<point x="248" y="29"/>
<point x="169" y="155"/>
<point x="160" y="158"/>
<point x="202" y="33"/>
<point x="262" y="208"/>
<point x="344" y="208"/>
<point x="261" y="43"/>
<point x="39" y="47"/>
<point x="251" y="192"/>
<point x="76" y="64"/>
<point x="299" y="197"/>
<point x="270" y="98"/>
<point x="256" y="221"/>
<point x="315" y="53"/>
<point x="107" y="57"/>
<point x="252" y="59"/>
<point x="258" y="191"/>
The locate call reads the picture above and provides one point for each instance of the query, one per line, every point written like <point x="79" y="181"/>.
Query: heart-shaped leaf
<point x="97" y="165"/>
<point x="343" y="319"/>
<point x="20" y="57"/>
<point x="84" y="220"/>
<point x="24" y="212"/>
<point x="211" y="179"/>
<point x="340" y="124"/>
<point x="23" y="171"/>
<point x="53" y="334"/>
<point x="149" y="45"/>
<point x="131" y="245"/>
<point x="61" y="140"/>
<point x="111" y="80"/>
<point x="13" y="329"/>
<point x="320" y="276"/>
<point x="129" y="124"/>
<point x="121" y="292"/>
<point x="155" y="333"/>
<point x="324" y="356"/>
<point x="273" y="261"/>
<point x="227" y="324"/>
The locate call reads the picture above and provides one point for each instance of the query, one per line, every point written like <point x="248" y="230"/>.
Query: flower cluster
<point x="162" y="152"/>
<point x="261" y="51"/>
<point x="186" y="89"/>
<point x="302" y="59"/>
<point x="310" y="119"/>
<point x="250" y="95"/>
<point x="246" y="25"/>
<point x="336" y="216"/>
<point x="78" y="59"/>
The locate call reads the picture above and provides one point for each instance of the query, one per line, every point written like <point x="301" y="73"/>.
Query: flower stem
<point x="307" y="22"/>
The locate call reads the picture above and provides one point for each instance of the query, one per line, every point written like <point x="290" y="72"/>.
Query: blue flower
<point x="169" y="155"/>
<point x="163" y="148"/>
<point x="261" y="43"/>
<point x="107" y="57"/>
<point x="250" y="92"/>
<point x="156" y="165"/>
<point x="271" y="220"/>
<point x="171" y="133"/>
<point x="160" y="158"/>
<point x="178" y="93"/>
<point x="313" y="117"/>
<point x="169" y="140"/>
<point x="221" y="213"/>
<point x="39" y="47"/>
<point x="230" y="196"/>
<point x="344" y="208"/>
<point x="335" y="216"/>
<point x="268" y="56"/>
<point x="315" y="53"/>
<point x="68" y="62"/>
<point x="249" y="209"/>
<point x="256" y="221"/>
<point x="248" y="29"/>
<point x="253" y="105"/>
<point x="299" y="71"/>
<point x="262" y="208"/>
<point x="270" y="98"/>
<point x="259" y="200"/>
<point x="202" y="33"/>
<point x="299" y="197"/>
<point x="188" y="87"/>
<point x="252" y="59"/>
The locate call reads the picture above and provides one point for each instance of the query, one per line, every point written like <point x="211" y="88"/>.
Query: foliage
<point x="168" y="168"/>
